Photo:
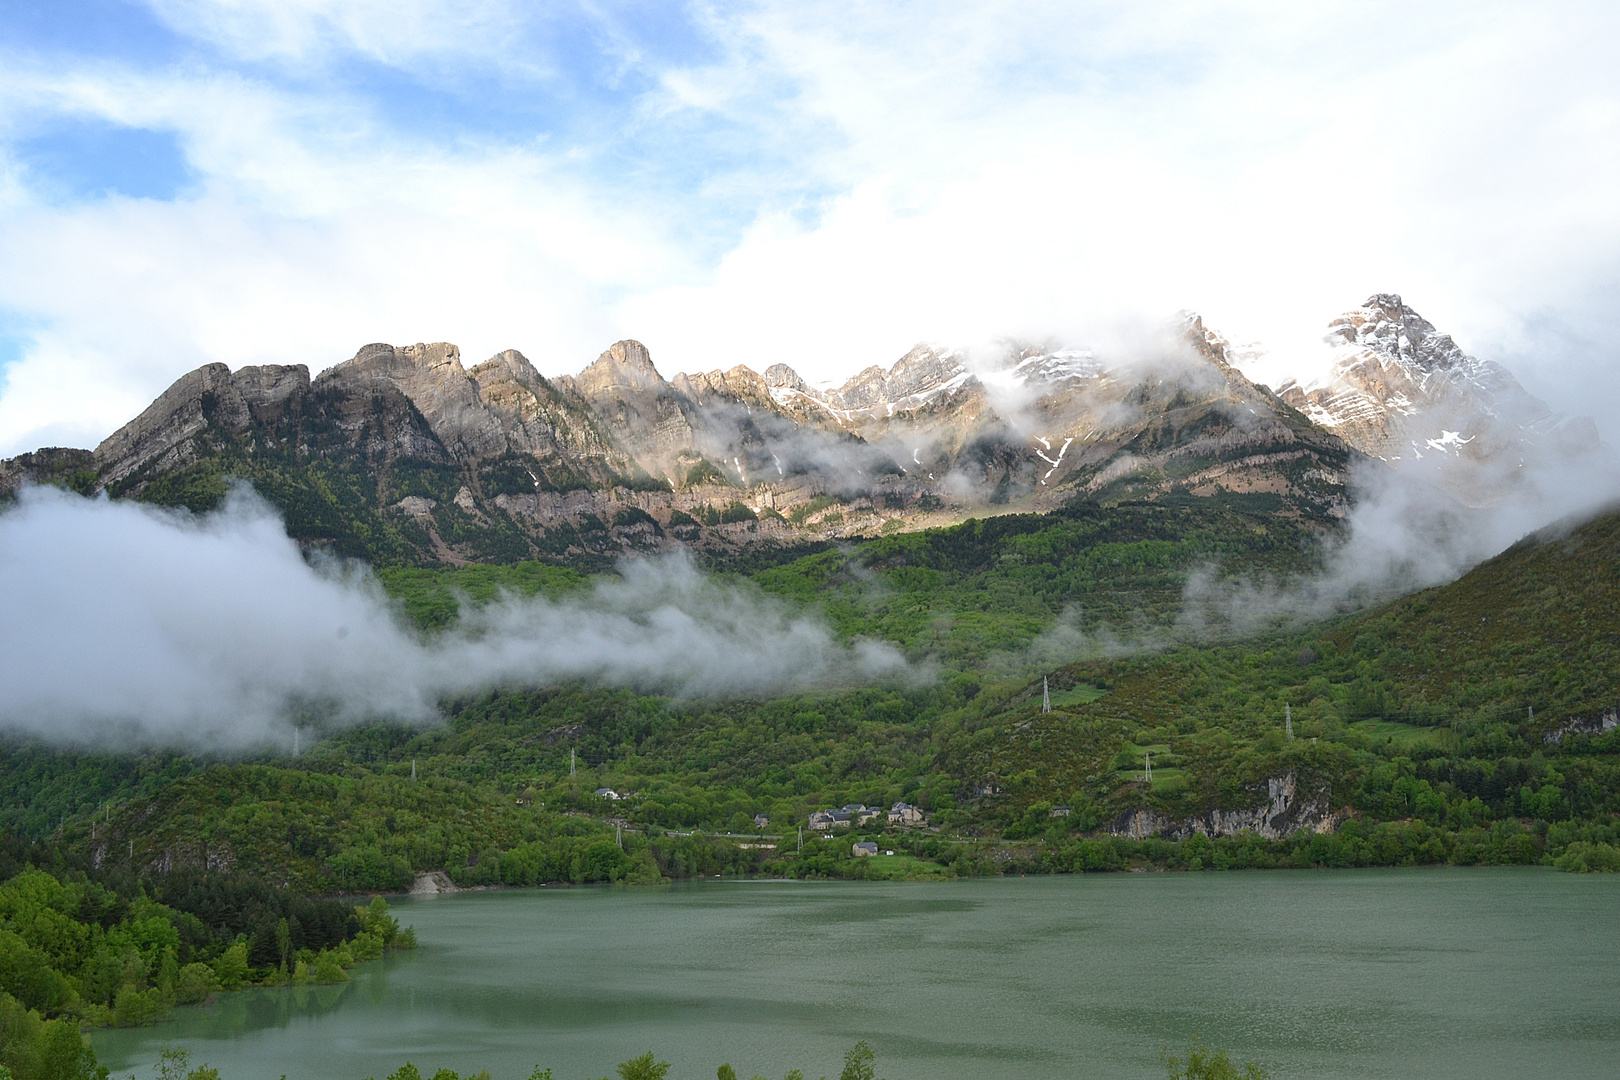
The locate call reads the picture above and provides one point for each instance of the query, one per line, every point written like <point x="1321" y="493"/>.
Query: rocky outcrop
<point x="1285" y="812"/>
<point x="740" y="386"/>
<point x="434" y="380"/>
<point x="432" y="883"/>
<point x="538" y="418"/>
<point x="1599" y="724"/>
<point x="50" y="465"/>
<point x="866" y="401"/>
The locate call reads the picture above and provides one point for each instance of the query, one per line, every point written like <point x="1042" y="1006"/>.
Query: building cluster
<point x="901" y="814"/>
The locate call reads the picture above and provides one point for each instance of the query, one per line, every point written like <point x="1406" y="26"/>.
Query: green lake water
<point x="1436" y="973"/>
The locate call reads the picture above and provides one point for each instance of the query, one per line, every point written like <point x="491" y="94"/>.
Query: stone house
<point x="904" y="814"/>
<point x="826" y="820"/>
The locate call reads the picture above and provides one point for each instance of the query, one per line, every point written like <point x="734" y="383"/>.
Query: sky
<point x="822" y="184"/>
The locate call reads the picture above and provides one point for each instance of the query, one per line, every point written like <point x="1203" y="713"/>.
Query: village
<point x="901" y="815"/>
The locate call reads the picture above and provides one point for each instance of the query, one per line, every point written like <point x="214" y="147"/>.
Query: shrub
<point x="645" y="1067"/>
<point x="1205" y="1064"/>
<point x="195" y="983"/>
<point x="231" y="968"/>
<point x="1586" y="858"/>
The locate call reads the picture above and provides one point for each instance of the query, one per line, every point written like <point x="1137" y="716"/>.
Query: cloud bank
<point x="127" y="625"/>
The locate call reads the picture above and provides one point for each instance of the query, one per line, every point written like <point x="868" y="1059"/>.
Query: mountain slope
<point x="1475" y="685"/>
<point x="404" y="455"/>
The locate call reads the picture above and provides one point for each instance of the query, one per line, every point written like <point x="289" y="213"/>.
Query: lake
<point x="1435" y="973"/>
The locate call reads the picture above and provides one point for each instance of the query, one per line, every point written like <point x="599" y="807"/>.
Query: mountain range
<point x="402" y="454"/>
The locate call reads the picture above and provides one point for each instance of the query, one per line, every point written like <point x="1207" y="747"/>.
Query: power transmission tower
<point x="1288" y="719"/>
<point x="1046" y="695"/>
<point x="1147" y="764"/>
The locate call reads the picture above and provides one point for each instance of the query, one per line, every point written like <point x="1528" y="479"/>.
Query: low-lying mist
<point x="130" y="625"/>
<point x="1407" y="530"/>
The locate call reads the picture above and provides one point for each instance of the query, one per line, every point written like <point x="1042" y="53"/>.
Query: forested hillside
<point x="94" y="942"/>
<point x="1465" y="723"/>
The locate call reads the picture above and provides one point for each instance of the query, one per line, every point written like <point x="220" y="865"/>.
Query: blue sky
<point x="183" y="181"/>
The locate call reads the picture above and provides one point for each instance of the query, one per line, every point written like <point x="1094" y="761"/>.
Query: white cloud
<point x="387" y="31"/>
<point x="312" y="234"/>
<point x="128" y="624"/>
<point x="1030" y="174"/>
<point x="910" y="172"/>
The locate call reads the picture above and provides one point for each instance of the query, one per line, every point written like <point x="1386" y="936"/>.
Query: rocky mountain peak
<point x="210" y="396"/>
<point x="439" y="354"/>
<point x="1385" y="327"/>
<point x="925" y="368"/>
<point x="625" y="367"/>
<point x="781" y="375"/>
<point x="741" y="384"/>
<point x="508" y="367"/>
<point x="1401" y="390"/>
<point x="911" y="382"/>
<point x="432" y="377"/>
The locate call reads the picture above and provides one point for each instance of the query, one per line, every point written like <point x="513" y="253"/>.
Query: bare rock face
<point x="625" y="369"/>
<point x="740" y="386"/>
<point x="160" y="437"/>
<point x="1285" y="811"/>
<point x="921" y="373"/>
<point x="271" y="390"/>
<point x="416" y="506"/>
<point x="432" y="377"/>
<point x="640" y="411"/>
<point x="537" y="418"/>
<point x="914" y="381"/>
